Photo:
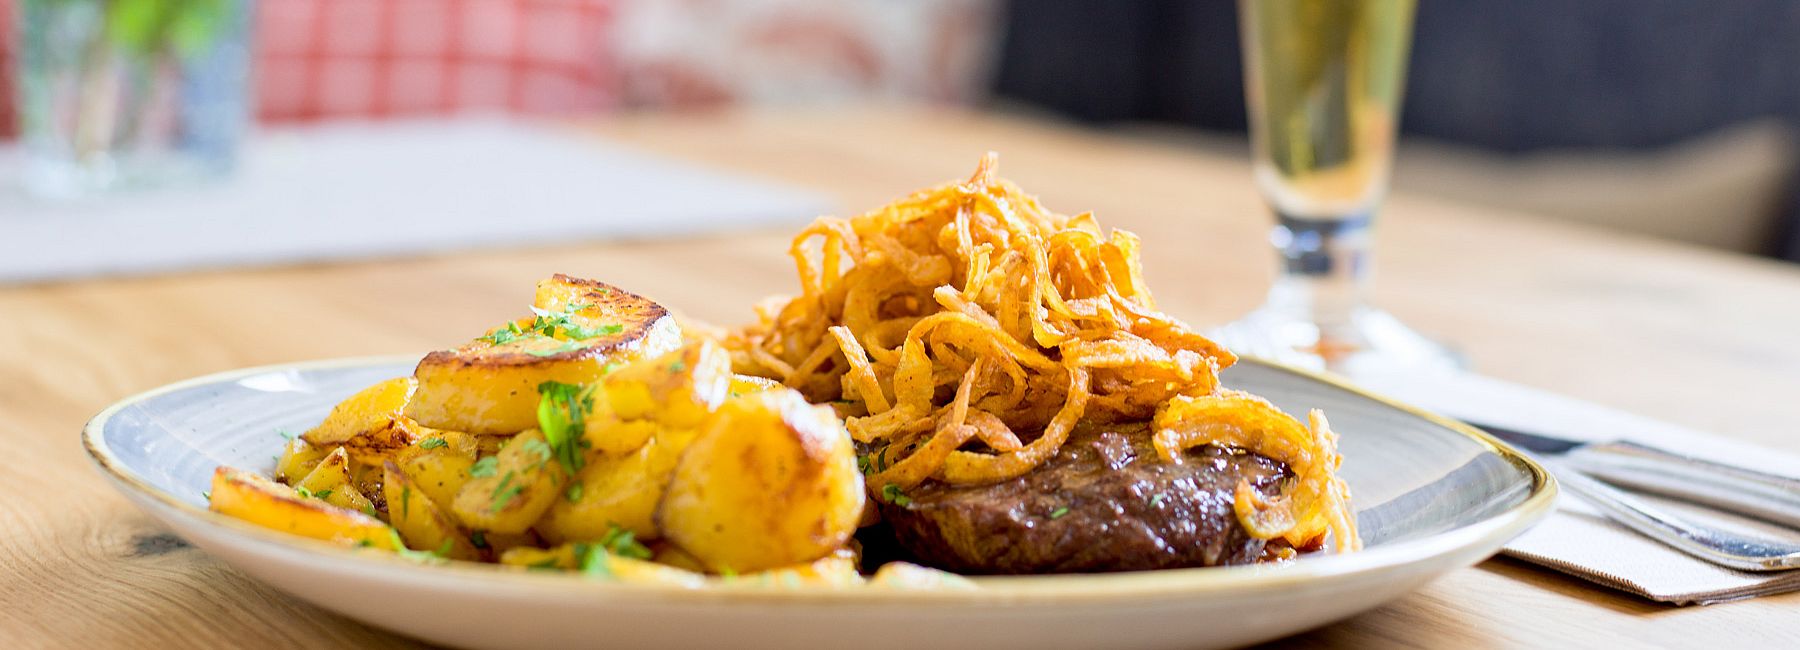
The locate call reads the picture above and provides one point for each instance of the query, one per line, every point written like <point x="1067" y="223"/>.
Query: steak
<point x="1105" y="502"/>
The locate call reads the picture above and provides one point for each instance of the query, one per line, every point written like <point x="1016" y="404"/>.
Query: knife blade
<point x="1769" y="497"/>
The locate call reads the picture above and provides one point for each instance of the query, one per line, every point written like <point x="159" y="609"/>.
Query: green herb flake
<point x="623" y="543"/>
<point x="1059" y="513"/>
<point x="594" y="561"/>
<point x="892" y="494"/>
<point x="405" y="501"/>
<point x="505" y="492"/>
<point x="485" y="467"/>
<point x="432" y="443"/>
<point x="207" y="494"/>
<point x="322" y="494"/>
<point x="574" y="493"/>
<point x="562" y="418"/>
<point x="304" y="493"/>
<point x="545" y="564"/>
<point x="1156" y="500"/>
<point x="478" y="539"/>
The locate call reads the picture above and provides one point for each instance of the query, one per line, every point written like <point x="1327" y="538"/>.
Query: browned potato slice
<point x="769" y="481"/>
<point x="742" y="385"/>
<point x="578" y="557"/>
<point x="838" y="571"/>
<point x="613" y="491"/>
<point x="509" y="493"/>
<point x="674" y="391"/>
<point x="263" y="502"/>
<point x="297" y="459"/>
<point x="906" y="575"/>
<point x="371" y="410"/>
<point x="330" y="480"/>
<point x="439" y="464"/>
<point x="422" y="524"/>
<point x="489" y="386"/>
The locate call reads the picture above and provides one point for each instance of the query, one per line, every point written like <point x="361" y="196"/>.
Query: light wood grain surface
<point x="1699" y="338"/>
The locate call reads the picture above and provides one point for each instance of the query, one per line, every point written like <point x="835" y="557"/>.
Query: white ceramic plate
<point x="1431" y="495"/>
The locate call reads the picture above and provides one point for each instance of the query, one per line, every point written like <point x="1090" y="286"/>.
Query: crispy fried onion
<point x="1318" y="502"/>
<point x="965" y="331"/>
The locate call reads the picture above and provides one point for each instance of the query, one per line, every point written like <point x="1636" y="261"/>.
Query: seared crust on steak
<point x="1104" y="503"/>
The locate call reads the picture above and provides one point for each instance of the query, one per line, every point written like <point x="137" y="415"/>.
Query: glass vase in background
<point x="118" y="94"/>
<point x="1323" y="82"/>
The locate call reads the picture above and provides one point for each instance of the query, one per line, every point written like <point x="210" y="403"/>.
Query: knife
<point x="1724" y="487"/>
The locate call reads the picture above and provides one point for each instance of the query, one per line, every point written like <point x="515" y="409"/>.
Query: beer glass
<point x="1323" y="80"/>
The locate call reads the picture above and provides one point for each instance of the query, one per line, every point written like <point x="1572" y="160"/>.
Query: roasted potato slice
<point x="742" y="385"/>
<point x="593" y="561"/>
<point x="621" y="491"/>
<point x="837" y="571"/>
<point x="489" y="386"/>
<point x="440" y="468"/>
<point x="769" y="481"/>
<point x="906" y="575"/>
<point x="510" y="492"/>
<point x="675" y="391"/>
<point x="263" y="502"/>
<point x="422" y="524"/>
<point x="370" y="410"/>
<point x="297" y="459"/>
<point x="330" y="480"/>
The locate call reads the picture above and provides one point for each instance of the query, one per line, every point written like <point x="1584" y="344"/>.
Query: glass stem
<point x="1324" y="271"/>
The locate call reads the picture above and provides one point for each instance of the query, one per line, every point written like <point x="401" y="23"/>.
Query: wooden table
<point x="1700" y="338"/>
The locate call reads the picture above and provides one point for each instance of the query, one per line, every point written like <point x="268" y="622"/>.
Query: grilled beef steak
<point x="1104" y="503"/>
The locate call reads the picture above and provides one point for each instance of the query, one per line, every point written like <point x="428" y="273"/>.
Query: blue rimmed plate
<point x="1431" y="494"/>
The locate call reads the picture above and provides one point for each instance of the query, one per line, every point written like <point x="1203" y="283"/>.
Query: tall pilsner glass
<point x="1323" y="81"/>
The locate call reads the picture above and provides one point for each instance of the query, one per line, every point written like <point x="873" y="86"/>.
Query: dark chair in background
<point x="1677" y="112"/>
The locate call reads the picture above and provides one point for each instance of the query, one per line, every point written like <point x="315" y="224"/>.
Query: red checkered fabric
<point x="376" y="58"/>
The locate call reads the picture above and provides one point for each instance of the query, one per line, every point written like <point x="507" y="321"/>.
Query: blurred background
<point x="1668" y="118"/>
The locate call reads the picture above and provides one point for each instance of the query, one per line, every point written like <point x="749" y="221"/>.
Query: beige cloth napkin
<point x="1576" y="539"/>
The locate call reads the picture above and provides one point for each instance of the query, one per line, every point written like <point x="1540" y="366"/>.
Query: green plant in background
<point x="126" y="46"/>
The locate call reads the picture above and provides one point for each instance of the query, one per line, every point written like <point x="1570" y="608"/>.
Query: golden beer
<point x="1323" y="80"/>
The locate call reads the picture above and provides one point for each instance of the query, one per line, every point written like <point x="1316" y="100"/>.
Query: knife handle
<point x="1772" y="498"/>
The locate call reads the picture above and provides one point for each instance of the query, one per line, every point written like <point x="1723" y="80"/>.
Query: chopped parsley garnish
<point x="304" y="493"/>
<point x="442" y="551"/>
<point x="485" y="467"/>
<point x="370" y="511"/>
<point x="505" y="492"/>
<point x="405" y="500"/>
<point x="207" y="494"/>
<point x="478" y="538"/>
<point x="1156" y="500"/>
<point x="432" y="443"/>
<point x="1059" y="512"/>
<point x="623" y="543"/>
<point x="562" y="417"/>
<point x="547" y="563"/>
<point x="893" y="495"/>
<point x="322" y="494"/>
<point x="286" y="434"/>
<point x="503" y="335"/>
<point x="593" y="559"/>
<point x="574" y="493"/>
<point x="547" y="324"/>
